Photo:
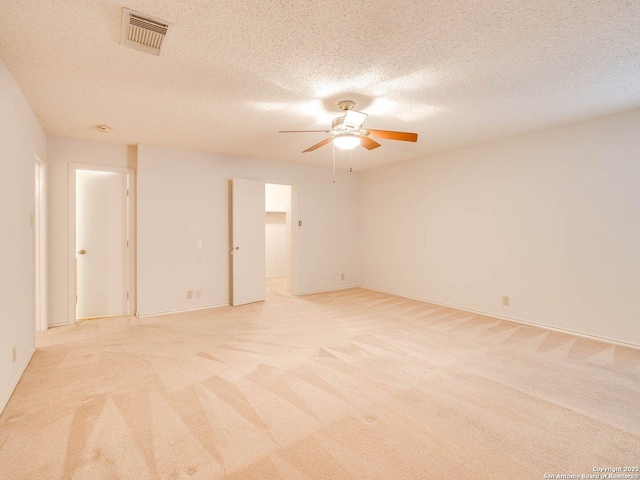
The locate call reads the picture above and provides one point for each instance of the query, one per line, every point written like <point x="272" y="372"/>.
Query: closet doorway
<point x="278" y="237"/>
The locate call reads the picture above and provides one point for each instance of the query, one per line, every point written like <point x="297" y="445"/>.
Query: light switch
<point x="199" y="243"/>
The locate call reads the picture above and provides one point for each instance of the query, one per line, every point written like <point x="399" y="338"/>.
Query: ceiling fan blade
<point x="367" y="143"/>
<point x="318" y="145"/>
<point x="303" y="131"/>
<point x="388" y="134"/>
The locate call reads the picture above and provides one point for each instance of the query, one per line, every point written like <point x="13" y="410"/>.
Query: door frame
<point x="40" y="244"/>
<point x="294" y="230"/>
<point x="71" y="238"/>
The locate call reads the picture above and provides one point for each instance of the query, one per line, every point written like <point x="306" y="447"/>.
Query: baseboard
<point x="328" y="290"/>
<point x="14" y="384"/>
<point x="182" y="310"/>
<point x="509" y="319"/>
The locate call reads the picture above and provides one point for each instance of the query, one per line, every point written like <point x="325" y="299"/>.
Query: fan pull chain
<point x="334" y="164"/>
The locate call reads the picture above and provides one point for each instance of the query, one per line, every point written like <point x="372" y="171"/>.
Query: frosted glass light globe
<point x="347" y="141"/>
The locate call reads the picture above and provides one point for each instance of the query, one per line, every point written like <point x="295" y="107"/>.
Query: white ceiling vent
<point x="143" y="32"/>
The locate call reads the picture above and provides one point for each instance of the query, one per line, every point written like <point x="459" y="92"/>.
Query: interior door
<point x="247" y="242"/>
<point x="101" y="244"/>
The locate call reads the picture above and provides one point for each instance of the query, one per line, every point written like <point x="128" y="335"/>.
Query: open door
<point x="247" y="242"/>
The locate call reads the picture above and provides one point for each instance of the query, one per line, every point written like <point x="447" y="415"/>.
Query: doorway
<point x="101" y="242"/>
<point x="261" y="213"/>
<point x="278" y="237"/>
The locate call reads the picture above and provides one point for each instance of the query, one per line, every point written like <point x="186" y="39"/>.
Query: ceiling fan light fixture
<point x="347" y="132"/>
<point x="347" y="141"/>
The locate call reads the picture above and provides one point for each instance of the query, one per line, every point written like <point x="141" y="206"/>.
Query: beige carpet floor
<point x="351" y="384"/>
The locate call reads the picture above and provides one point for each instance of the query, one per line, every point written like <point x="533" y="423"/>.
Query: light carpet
<point x="351" y="384"/>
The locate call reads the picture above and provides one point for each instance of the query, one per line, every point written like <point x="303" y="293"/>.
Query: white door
<point x="248" y="243"/>
<point x="101" y="244"/>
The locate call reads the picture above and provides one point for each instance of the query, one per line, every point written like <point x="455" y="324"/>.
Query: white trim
<point x="335" y="289"/>
<point x="294" y="239"/>
<point x="14" y="384"/>
<point x="509" y="319"/>
<point x="71" y="240"/>
<point x="182" y="310"/>
<point x="40" y="245"/>
<point x="59" y="324"/>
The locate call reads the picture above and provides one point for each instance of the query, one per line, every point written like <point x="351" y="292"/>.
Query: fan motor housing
<point x="337" y="123"/>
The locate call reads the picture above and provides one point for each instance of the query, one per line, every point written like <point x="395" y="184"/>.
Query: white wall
<point x="276" y="197"/>
<point x="62" y="152"/>
<point x="551" y="219"/>
<point x="21" y="138"/>
<point x="183" y="197"/>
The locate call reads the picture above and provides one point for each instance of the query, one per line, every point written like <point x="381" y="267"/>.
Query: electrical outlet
<point x="342" y="276"/>
<point x="197" y="293"/>
<point x="189" y="294"/>
<point x="505" y="301"/>
<point x="14" y="352"/>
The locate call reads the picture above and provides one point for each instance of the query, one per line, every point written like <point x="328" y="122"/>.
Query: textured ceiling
<point x="233" y="74"/>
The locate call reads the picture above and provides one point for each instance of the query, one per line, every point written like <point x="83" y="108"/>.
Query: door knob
<point x="82" y="252"/>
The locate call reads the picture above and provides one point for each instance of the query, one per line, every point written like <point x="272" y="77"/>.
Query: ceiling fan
<point x="347" y="132"/>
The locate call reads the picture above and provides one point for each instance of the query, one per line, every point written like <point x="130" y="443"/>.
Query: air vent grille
<point x="143" y="33"/>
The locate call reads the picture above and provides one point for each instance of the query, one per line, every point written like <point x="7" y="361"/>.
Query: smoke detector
<point x="143" y="32"/>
